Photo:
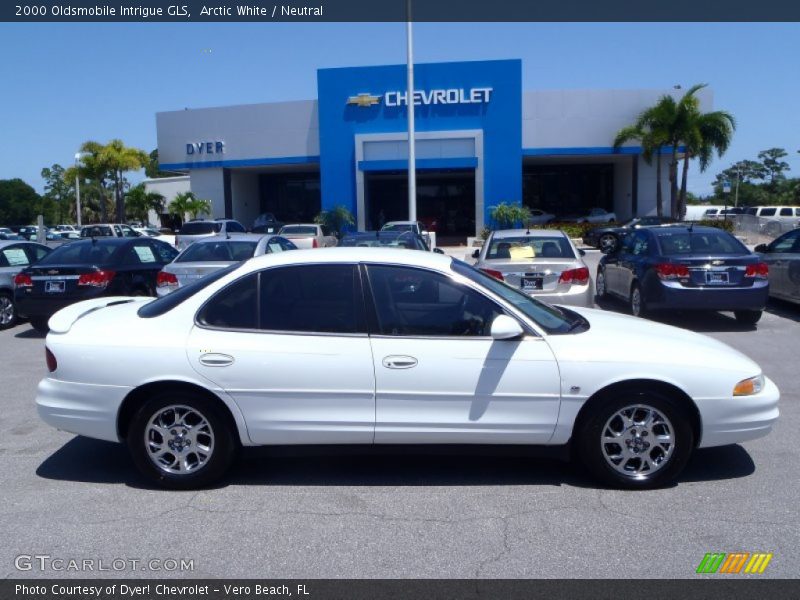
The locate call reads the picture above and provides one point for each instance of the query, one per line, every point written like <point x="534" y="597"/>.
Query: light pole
<point x="78" y="156"/>
<point x="736" y="194"/>
<point x="412" y="162"/>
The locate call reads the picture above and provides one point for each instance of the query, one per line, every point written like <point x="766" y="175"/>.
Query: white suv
<point x="195" y="230"/>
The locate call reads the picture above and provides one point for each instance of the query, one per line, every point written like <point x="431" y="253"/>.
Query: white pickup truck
<point x="308" y="235"/>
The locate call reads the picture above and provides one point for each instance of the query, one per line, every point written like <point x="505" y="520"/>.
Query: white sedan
<point x="337" y="347"/>
<point x="309" y="235"/>
<point x="596" y="215"/>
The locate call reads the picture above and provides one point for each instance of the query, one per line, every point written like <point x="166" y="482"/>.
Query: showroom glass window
<point x="416" y="302"/>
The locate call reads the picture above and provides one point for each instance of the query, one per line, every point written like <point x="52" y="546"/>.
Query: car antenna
<point x="691" y="226"/>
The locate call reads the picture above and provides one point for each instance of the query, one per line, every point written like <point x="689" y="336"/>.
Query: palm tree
<point x="187" y="202"/>
<point x="139" y="202"/>
<point x="339" y="218"/>
<point x="92" y="166"/>
<point x="119" y="159"/>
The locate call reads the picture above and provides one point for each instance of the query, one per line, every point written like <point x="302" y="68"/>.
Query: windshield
<point x="699" y="242"/>
<point x="301" y="229"/>
<point x="201" y="228"/>
<point x="529" y="247"/>
<point x="410" y="242"/>
<point x="218" y="252"/>
<point x="80" y="253"/>
<point x="551" y="319"/>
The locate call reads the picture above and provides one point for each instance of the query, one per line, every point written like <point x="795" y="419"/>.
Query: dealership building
<point x="480" y="140"/>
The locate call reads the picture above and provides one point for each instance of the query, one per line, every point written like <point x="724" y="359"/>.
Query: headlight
<point x="748" y="387"/>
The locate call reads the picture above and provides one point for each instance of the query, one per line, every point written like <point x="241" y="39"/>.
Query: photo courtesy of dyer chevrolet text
<point x="160" y="589"/>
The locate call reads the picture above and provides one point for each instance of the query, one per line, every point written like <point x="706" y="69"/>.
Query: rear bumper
<point x="738" y="418"/>
<point x="42" y="306"/>
<point x="576" y="295"/>
<point x="674" y="296"/>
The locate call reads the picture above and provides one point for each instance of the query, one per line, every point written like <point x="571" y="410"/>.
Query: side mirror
<point x="581" y="252"/>
<point x="506" y="328"/>
<point x="438" y="251"/>
<point x="476" y="253"/>
<point x="761" y="248"/>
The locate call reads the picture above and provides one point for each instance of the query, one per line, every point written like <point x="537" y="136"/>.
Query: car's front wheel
<point x="8" y="312"/>
<point x="748" y="317"/>
<point x="637" y="440"/>
<point x="600" y="284"/>
<point x="181" y="440"/>
<point x="637" y="303"/>
<point x="607" y="242"/>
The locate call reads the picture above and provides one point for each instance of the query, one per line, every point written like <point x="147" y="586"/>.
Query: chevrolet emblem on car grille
<point x="364" y="100"/>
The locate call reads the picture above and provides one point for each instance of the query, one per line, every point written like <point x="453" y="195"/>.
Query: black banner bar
<point x="396" y="10"/>
<point x="721" y="588"/>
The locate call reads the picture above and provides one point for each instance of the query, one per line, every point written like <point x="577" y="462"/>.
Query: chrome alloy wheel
<point x="179" y="439"/>
<point x="600" y="283"/>
<point x="637" y="441"/>
<point x="6" y="310"/>
<point x="636" y="301"/>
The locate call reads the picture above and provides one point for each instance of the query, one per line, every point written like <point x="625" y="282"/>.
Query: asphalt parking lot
<point x="388" y="516"/>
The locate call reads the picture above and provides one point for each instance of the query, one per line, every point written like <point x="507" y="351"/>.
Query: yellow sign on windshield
<point x="521" y="252"/>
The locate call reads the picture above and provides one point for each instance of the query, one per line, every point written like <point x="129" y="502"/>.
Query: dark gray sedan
<point x="783" y="258"/>
<point x="15" y="255"/>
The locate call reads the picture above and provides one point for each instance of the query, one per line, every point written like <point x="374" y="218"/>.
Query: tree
<point x="339" y="219"/>
<point x="187" y="202"/>
<point x="508" y="216"/>
<point x="119" y="159"/>
<point x="60" y="190"/>
<point x="774" y="166"/>
<point x="139" y="202"/>
<point x="19" y="202"/>
<point x="92" y="167"/>
<point x="153" y="170"/>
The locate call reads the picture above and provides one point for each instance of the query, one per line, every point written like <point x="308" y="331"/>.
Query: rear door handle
<point x="399" y="362"/>
<point x="216" y="360"/>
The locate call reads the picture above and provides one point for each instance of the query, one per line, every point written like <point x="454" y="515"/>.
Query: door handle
<point x="216" y="360"/>
<point x="399" y="362"/>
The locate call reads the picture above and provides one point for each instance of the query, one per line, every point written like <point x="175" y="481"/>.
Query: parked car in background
<point x="85" y="269"/>
<point x="191" y="231"/>
<point x="8" y="234"/>
<point x="775" y="220"/>
<point x="155" y="234"/>
<point x="540" y="217"/>
<point x="608" y="237"/>
<point x="309" y="235"/>
<point x="685" y="268"/>
<point x="783" y="258"/>
<point x="108" y="230"/>
<point x="15" y="255"/>
<point x="211" y="254"/>
<point x="415" y="227"/>
<point x="266" y="223"/>
<point x="542" y="263"/>
<point x="595" y="215"/>
<point x="386" y="239"/>
<point x="68" y="235"/>
<point x="388" y="347"/>
<point x="62" y="228"/>
<point x="29" y="232"/>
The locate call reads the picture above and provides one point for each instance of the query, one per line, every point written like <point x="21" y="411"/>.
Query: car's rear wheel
<point x="40" y="324"/>
<point x="8" y="311"/>
<point x="636" y="439"/>
<point x="637" y="303"/>
<point x="600" y="284"/>
<point x="607" y="242"/>
<point x="181" y="440"/>
<point x="748" y="317"/>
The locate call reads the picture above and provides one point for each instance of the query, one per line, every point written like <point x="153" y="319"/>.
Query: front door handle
<point x="216" y="360"/>
<point x="399" y="362"/>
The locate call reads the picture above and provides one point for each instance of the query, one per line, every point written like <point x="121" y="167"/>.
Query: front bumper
<point x="738" y="418"/>
<point x="84" y="409"/>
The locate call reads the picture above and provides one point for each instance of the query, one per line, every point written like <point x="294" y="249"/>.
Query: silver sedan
<point x="783" y="258"/>
<point x="542" y="263"/>
<point x="211" y="254"/>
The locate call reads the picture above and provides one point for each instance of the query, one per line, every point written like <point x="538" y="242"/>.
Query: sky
<point x="63" y="84"/>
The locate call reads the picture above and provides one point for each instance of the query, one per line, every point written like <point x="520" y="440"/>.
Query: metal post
<point x="77" y="191"/>
<point x="736" y="195"/>
<point x="412" y="160"/>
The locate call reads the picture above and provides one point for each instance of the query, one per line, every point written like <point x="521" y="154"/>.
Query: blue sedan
<point x="685" y="268"/>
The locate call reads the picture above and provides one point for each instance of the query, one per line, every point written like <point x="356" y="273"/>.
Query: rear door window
<point x="768" y="212"/>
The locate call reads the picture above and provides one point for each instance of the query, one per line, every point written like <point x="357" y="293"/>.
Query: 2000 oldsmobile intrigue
<point x="343" y="346"/>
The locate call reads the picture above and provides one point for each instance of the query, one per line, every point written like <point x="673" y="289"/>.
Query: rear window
<point x="202" y="228"/>
<point x="218" y="252"/>
<point x="97" y="231"/>
<point x="409" y="242"/>
<point x="166" y="303"/>
<point x="305" y="230"/>
<point x="81" y="253"/>
<point x="699" y="242"/>
<point x="529" y="247"/>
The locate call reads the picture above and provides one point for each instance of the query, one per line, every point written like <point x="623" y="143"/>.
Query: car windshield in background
<point x="398" y="227"/>
<point x="80" y="253"/>
<point x="529" y="247"/>
<point x="201" y="228"/>
<point x="384" y="240"/>
<point x="300" y="229"/>
<point x="699" y="242"/>
<point x="218" y="252"/>
<point x="551" y="319"/>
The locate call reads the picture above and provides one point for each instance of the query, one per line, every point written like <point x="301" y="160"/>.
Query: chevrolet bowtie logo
<point x="364" y="100"/>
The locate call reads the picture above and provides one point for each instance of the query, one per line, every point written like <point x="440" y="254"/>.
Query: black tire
<point x="40" y="324"/>
<point x="747" y="317"/>
<point x="223" y="447"/>
<point x="8" y="311"/>
<point x="602" y="420"/>
<point x="600" y="286"/>
<point x="607" y="242"/>
<point x="638" y="306"/>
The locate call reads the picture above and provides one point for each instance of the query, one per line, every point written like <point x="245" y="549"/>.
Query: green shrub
<point x="509" y="216"/>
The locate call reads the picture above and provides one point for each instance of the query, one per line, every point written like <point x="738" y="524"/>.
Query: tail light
<point x="52" y="363"/>
<point x="669" y="271"/>
<point x="23" y="280"/>
<point x="493" y="273"/>
<point x="314" y="243"/>
<point x="99" y="279"/>
<point x="758" y="270"/>
<point x="575" y="276"/>
<point x="164" y="279"/>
